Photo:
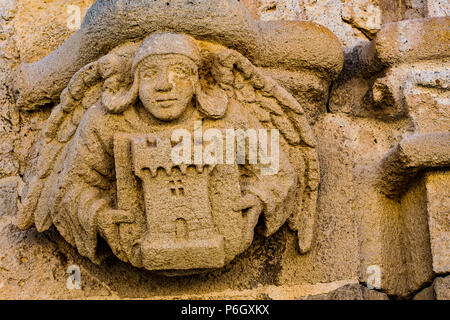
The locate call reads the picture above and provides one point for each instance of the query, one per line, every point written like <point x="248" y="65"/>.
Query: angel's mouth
<point x="166" y="100"/>
<point x="166" y="103"/>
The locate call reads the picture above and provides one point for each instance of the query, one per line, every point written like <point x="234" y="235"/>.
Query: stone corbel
<point x="414" y="86"/>
<point x="413" y="155"/>
<point x="406" y="71"/>
<point x="416" y="174"/>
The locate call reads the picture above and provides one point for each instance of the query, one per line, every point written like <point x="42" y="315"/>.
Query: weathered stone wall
<point x="380" y="99"/>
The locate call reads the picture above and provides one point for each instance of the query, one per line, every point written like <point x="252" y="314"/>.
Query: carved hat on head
<point x="213" y="104"/>
<point x="167" y="43"/>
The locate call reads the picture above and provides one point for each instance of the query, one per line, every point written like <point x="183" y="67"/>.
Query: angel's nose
<point x="163" y="83"/>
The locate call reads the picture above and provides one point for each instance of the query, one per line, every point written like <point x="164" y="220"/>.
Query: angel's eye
<point x="149" y="74"/>
<point x="180" y="71"/>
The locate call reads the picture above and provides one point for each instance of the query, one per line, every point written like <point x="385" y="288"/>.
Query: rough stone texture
<point x="396" y="43"/>
<point x="442" y="288"/>
<point x="438" y="8"/>
<point x="439" y="290"/>
<point x="439" y="219"/>
<point x="9" y="196"/>
<point x="425" y="294"/>
<point x="36" y="37"/>
<point x="335" y="220"/>
<point x="349" y="20"/>
<point x="350" y="292"/>
<point x="365" y="16"/>
<point x="353" y="21"/>
<point x="392" y="95"/>
<point x="416" y="238"/>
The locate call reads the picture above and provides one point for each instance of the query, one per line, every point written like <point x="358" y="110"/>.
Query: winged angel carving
<point x="98" y="176"/>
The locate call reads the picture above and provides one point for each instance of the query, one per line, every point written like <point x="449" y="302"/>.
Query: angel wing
<point x="84" y="90"/>
<point x="277" y="108"/>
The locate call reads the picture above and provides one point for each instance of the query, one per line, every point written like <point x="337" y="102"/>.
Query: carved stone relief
<point x="105" y="169"/>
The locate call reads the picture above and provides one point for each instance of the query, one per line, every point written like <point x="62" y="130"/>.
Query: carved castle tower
<point x="181" y="232"/>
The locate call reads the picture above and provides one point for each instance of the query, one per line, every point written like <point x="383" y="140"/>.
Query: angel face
<point x="167" y="85"/>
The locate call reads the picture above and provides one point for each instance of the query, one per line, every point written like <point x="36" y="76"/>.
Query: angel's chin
<point x="167" y="114"/>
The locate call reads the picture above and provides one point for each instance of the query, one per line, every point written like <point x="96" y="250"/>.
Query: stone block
<point x="8" y="197"/>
